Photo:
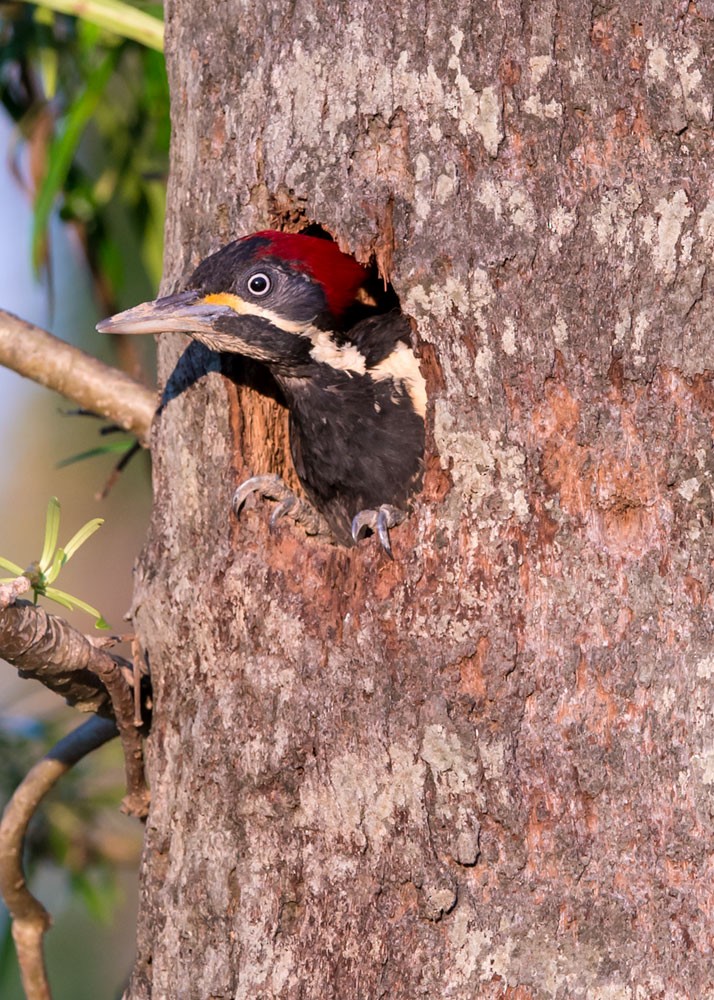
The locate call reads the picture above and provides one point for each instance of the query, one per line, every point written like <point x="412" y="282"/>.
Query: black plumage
<point x="357" y="441"/>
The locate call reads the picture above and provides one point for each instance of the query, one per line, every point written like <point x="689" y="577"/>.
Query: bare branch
<point x="47" y="648"/>
<point x="9" y="592"/>
<point x="106" y="391"/>
<point x="30" y="920"/>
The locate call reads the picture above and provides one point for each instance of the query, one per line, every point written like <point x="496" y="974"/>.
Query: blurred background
<point x="84" y="133"/>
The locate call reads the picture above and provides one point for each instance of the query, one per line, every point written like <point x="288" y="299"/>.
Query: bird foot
<point x="272" y="487"/>
<point x="379" y="521"/>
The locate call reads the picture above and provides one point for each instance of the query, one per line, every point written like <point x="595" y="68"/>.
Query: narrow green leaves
<point x="74" y="603"/>
<point x="12" y="568"/>
<point x="41" y="574"/>
<point x="121" y="18"/>
<point x="52" y="523"/>
<point x="112" y="447"/>
<point x="63" y="150"/>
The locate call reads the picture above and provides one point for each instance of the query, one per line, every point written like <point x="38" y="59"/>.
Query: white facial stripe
<point x="327" y="352"/>
<point x="244" y="308"/>
<point x="402" y="366"/>
<point x="324" y="350"/>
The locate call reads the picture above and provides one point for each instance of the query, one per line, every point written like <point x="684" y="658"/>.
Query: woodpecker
<point x="354" y="391"/>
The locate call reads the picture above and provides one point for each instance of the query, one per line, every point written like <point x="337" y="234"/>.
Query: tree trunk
<point x="485" y="769"/>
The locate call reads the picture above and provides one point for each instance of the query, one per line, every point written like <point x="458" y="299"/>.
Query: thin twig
<point x="36" y="354"/>
<point x="113" y="476"/>
<point x="103" y="664"/>
<point x="30" y="920"/>
<point x="136" y="658"/>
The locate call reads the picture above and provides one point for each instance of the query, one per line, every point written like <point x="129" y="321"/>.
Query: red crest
<point x="339" y="273"/>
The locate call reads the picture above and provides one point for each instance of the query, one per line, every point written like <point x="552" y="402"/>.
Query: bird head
<point x="257" y="296"/>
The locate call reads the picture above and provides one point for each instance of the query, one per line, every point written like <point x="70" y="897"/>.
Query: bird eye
<point x="259" y="284"/>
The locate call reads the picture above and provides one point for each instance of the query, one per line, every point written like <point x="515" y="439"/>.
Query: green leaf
<point x="62" y="152"/>
<point x="116" y="447"/>
<point x="52" y="523"/>
<point x="85" y="532"/>
<point x="6" y="945"/>
<point x="99" y="891"/>
<point x="121" y="18"/>
<point x="59" y="597"/>
<point x="53" y="571"/>
<point x="12" y="567"/>
<point x="48" y="60"/>
<point x="74" y="603"/>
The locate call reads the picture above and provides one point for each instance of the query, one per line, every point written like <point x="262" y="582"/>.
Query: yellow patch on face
<point x="234" y="302"/>
<point x="244" y="308"/>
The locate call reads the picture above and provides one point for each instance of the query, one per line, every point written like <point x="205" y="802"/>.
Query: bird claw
<point x="267" y="486"/>
<point x="283" y="508"/>
<point x="272" y="487"/>
<point x="379" y="521"/>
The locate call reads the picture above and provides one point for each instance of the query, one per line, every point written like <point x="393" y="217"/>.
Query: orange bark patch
<point x="601" y="36"/>
<point x="473" y="682"/>
<point x="546" y="528"/>
<point x="509" y="73"/>
<point x="695" y="590"/>
<point x="614" y="486"/>
<point x="437" y="481"/>
<point x="515" y="993"/>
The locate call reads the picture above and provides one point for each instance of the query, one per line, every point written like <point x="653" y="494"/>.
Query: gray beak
<point x="179" y="313"/>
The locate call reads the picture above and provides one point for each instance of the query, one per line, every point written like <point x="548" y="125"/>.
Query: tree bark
<point x="485" y="769"/>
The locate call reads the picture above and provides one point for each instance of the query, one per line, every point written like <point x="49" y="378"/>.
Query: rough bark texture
<point x="46" y="648"/>
<point x="486" y="769"/>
